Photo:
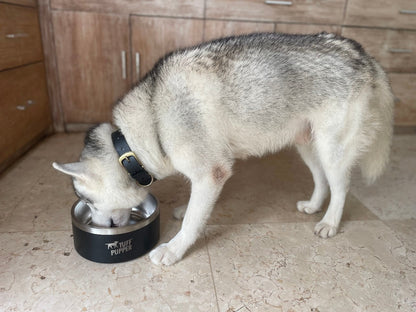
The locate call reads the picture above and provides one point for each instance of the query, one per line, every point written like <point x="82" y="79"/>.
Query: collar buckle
<point x="126" y="156"/>
<point x="133" y="166"/>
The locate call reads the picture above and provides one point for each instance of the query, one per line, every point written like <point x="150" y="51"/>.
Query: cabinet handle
<point x="21" y="107"/>
<point x="408" y="12"/>
<point x="123" y="64"/>
<point x="275" y="2"/>
<point x="138" y="65"/>
<point x="400" y="51"/>
<point x="17" y="35"/>
<point x="30" y="102"/>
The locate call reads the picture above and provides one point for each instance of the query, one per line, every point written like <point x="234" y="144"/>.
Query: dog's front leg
<point x="204" y="194"/>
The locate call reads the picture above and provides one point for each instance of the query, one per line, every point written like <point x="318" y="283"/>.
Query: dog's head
<point x="101" y="182"/>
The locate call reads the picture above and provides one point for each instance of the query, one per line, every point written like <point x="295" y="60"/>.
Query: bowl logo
<point x="117" y="248"/>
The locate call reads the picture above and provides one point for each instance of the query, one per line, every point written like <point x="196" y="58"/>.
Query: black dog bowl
<point x="116" y="244"/>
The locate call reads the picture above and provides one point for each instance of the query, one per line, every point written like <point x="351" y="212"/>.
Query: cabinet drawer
<point x="319" y="11"/>
<point x="24" y="106"/>
<point x="186" y="8"/>
<point x="20" y="41"/>
<point x="405" y="107"/>
<point x="394" y="49"/>
<point x="382" y="13"/>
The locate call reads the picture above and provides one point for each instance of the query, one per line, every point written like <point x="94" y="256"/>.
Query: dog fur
<point x="201" y="108"/>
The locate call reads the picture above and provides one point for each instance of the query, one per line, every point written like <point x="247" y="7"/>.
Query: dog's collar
<point x="129" y="161"/>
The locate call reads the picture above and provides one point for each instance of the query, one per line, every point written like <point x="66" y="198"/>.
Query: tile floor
<point x="258" y="253"/>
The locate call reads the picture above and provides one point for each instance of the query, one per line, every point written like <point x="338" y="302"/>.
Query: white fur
<point x="187" y="120"/>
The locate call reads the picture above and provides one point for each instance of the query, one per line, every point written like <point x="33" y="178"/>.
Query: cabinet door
<point x="153" y="37"/>
<point x="24" y="108"/>
<point x="93" y="58"/>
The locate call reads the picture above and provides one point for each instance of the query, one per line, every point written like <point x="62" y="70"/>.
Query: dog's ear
<point x="76" y="170"/>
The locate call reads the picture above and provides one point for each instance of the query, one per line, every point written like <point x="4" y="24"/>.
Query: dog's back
<point x="257" y="92"/>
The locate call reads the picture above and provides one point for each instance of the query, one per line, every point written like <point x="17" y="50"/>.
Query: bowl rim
<point x="99" y="230"/>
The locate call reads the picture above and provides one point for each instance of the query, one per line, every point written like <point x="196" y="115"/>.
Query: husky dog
<point x="201" y="108"/>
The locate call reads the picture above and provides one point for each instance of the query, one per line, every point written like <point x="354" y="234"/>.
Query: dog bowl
<point x="116" y="244"/>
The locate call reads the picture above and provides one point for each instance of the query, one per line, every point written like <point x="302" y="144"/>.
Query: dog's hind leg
<point x="320" y="191"/>
<point x="206" y="187"/>
<point x="337" y="157"/>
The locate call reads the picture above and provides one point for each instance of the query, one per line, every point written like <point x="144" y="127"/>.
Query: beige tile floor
<point x="258" y="253"/>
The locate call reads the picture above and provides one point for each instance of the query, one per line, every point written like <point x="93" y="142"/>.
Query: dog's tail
<point x="380" y="127"/>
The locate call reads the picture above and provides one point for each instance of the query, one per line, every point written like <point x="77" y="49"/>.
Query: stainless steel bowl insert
<point x="116" y="244"/>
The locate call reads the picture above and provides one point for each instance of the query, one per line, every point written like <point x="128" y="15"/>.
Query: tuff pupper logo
<point x="117" y="247"/>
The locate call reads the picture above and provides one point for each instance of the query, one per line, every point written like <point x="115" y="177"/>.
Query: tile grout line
<point x="212" y="272"/>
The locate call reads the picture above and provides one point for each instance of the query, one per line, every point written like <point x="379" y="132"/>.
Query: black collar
<point x="129" y="161"/>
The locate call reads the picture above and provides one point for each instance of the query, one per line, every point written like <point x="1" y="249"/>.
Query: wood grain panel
<point x="24" y="88"/>
<point x="405" y="107"/>
<point x="307" y="29"/>
<point x="184" y="8"/>
<point x="154" y="37"/>
<point x="394" y="49"/>
<point x="46" y="25"/>
<point x="20" y="41"/>
<point x="89" y="56"/>
<point x="31" y="3"/>
<point x="217" y="29"/>
<point x="382" y="13"/>
<point x="305" y="11"/>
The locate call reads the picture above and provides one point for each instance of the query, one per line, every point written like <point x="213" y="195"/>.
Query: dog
<point x="200" y="108"/>
<point x="112" y="245"/>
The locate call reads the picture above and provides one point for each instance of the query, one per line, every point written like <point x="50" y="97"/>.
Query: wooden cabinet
<point x="153" y="37"/>
<point x="93" y="61"/>
<point x="24" y="108"/>
<point x="94" y="57"/>
<point x="19" y="36"/>
<point x="92" y="71"/>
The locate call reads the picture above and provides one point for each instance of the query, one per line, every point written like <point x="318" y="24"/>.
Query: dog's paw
<point x="307" y="207"/>
<point x="325" y="230"/>
<point x="179" y="212"/>
<point x="163" y="255"/>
